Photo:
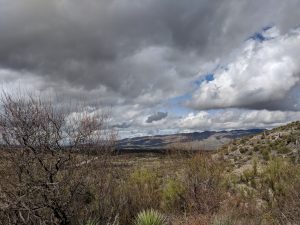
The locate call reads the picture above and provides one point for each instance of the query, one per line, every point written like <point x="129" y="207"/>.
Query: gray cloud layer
<point x="126" y="45"/>
<point x="131" y="54"/>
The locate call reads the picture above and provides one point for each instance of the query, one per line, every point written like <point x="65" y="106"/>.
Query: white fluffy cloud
<point x="237" y="119"/>
<point x="261" y="75"/>
<point x="226" y="119"/>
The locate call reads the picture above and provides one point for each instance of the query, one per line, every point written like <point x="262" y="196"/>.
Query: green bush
<point x="173" y="194"/>
<point x="222" y="221"/>
<point x="247" y="176"/>
<point x="265" y="154"/>
<point x="280" y="188"/>
<point x="243" y="150"/>
<point x="256" y="148"/>
<point x="150" y="217"/>
<point x="143" y="176"/>
<point x="278" y="175"/>
<point x="283" y="150"/>
<point x="140" y="190"/>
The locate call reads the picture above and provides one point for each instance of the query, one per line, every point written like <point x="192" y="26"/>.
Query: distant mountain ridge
<point x="207" y="140"/>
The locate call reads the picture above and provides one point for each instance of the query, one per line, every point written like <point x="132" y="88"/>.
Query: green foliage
<point x="256" y="148"/>
<point x="199" y="189"/>
<point x="143" y="177"/>
<point x="283" y="150"/>
<point x="269" y="219"/>
<point x="280" y="188"/>
<point x="243" y="150"/>
<point x="173" y="194"/>
<point x="145" y="184"/>
<point x="222" y="221"/>
<point x="91" y="222"/>
<point x="277" y="175"/>
<point x="141" y="190"/>
<point x="265" y="154"/>
<point x="249" y="176"/>
<point x="150" y="217"/>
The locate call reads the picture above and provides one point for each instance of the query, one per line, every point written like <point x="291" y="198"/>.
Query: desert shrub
<point x="239" y="209"/>
<point x="172" y="195"/>
<point x="222" y="221"/>
<point x="192" y="219"/>
<point x="280" y="188"/>
<point x="283" y="150"/>
<point x="183" y="149"/>
<point x="249" y="175"/>
<point x="275" y="175"/>
<point x="268" y="196"/>
<point x="146" y="184"/>
<point x="265" y="154"/>
<point x="256" y="148"/>
<point x="202" y="181"/>
<point x="290" y="139"/>
<point x="108" y="202"/>
<point x="243" y="150"/>
<point x="150" y="217"/>
<point x="243" y="141"/>
<point x="234" y="148"/>
<point x="140" y="190"/>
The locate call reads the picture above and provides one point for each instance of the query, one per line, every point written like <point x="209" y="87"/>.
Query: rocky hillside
<point x="282" y="142"/>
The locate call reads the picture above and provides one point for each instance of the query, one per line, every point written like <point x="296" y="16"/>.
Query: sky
<point x="159" y="66"/>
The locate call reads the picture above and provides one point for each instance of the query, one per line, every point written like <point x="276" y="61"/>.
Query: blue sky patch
<point x="258" y="37"/>
<point x="176" y="105"/>
<point x="209" y="77"/>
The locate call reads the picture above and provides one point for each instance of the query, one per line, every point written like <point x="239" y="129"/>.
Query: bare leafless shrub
<point x="45" y="178"/>
<point x="203" y="185"/>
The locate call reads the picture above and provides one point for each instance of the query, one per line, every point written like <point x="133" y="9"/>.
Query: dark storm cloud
<point x="122" y="125"/>
<point x="156" y="117"/>
<point x="133" y="56"/>
<point x="91" y="43"/>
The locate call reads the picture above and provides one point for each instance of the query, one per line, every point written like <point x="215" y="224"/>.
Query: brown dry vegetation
<point x="44" y="182"/>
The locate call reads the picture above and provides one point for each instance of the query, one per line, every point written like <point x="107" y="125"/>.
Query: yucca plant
<point x="150" y="217"/>
<point x="91" y="222"/>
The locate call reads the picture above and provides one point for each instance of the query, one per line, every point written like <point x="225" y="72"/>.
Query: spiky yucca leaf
<point x="91" y="222"/>
<point x="150" y="217"/>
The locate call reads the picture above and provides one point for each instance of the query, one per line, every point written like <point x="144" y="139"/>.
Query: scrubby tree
<point x="45" y="158"/>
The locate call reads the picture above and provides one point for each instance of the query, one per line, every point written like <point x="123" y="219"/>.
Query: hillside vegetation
<point x="252" y="181"/>
<point x="281" y="142"/>
<point x="264" y="170"/>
